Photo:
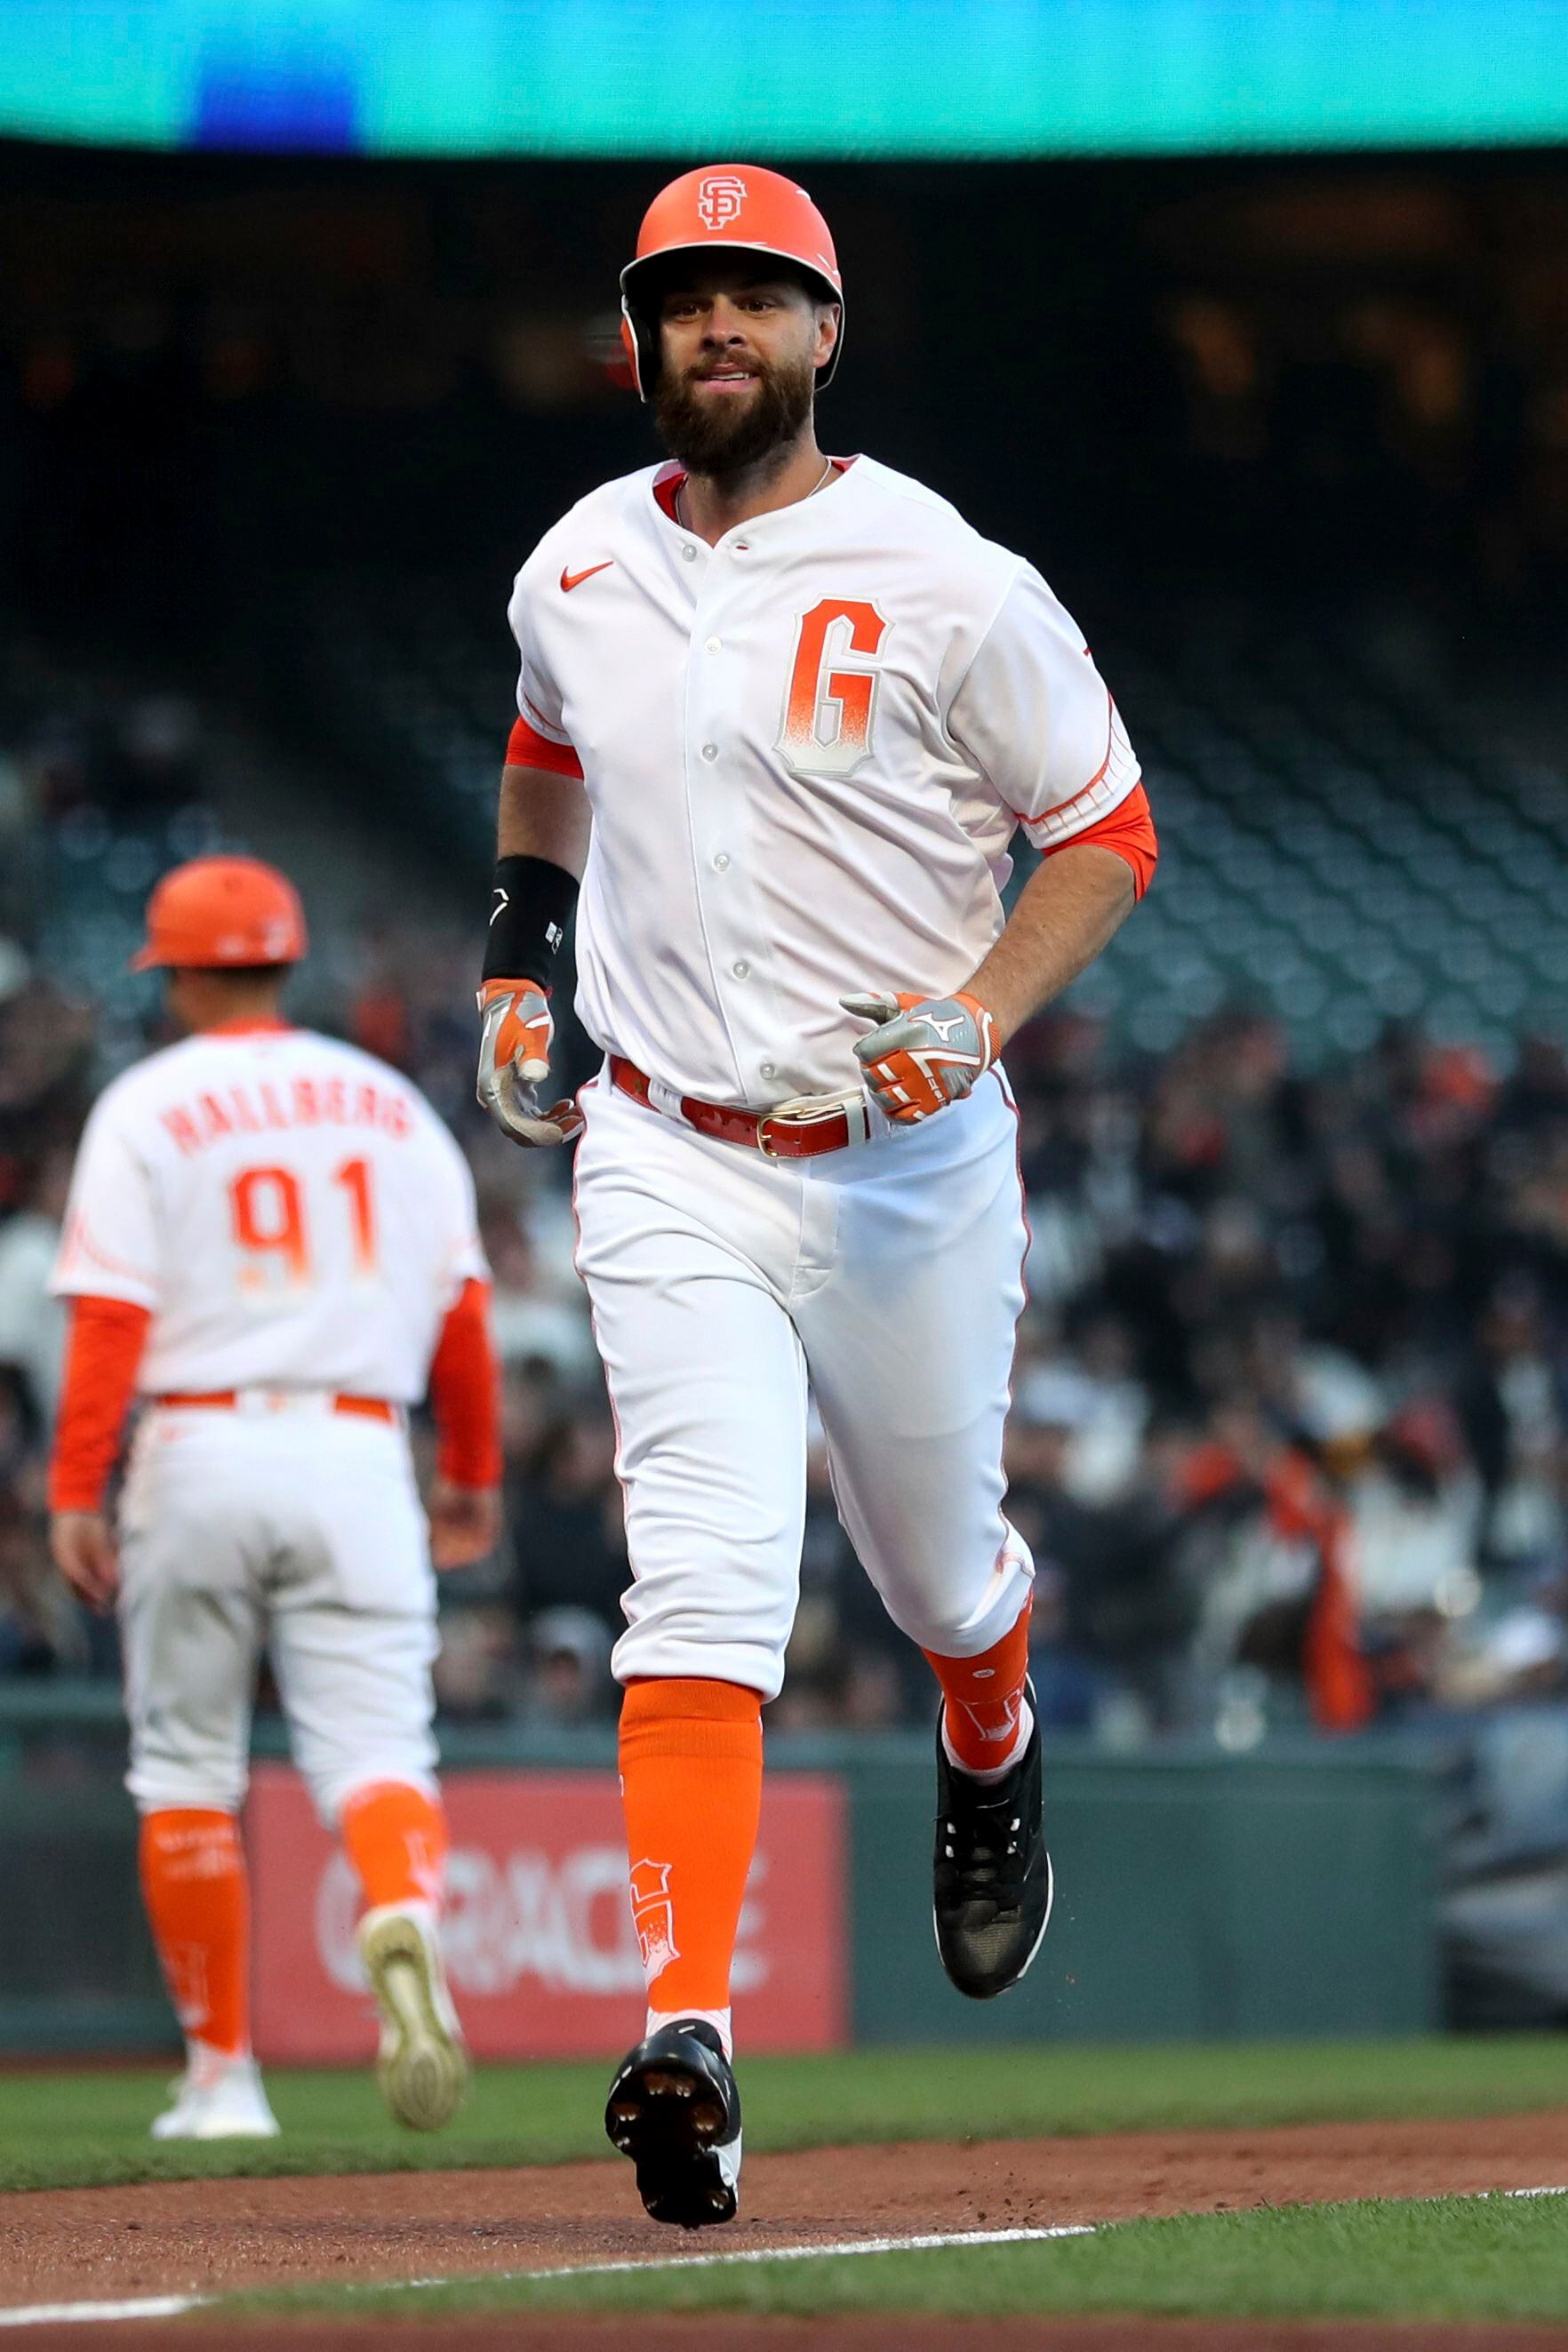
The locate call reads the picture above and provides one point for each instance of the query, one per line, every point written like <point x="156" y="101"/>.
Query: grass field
<point x="63" y="2129"/>
<point x="1498" y="2259"/>
<point x="1449" y="2258"/>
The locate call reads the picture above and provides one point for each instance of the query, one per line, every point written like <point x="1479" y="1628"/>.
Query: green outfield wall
<point x="1196" y="1897"/>
<point x="1289" y="1892"/>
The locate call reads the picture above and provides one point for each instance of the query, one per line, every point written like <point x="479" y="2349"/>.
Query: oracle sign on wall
<point x="541" y="1950"/>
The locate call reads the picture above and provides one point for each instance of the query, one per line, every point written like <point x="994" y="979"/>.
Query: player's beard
<point x="725" y="438"/>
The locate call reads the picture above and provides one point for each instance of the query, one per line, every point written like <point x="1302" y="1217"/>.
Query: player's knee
<point x="334" y="1786"/>
<point x="191" y="1787"/>
<point x="951" y="1629"/>
<point x="695" y="1653"/>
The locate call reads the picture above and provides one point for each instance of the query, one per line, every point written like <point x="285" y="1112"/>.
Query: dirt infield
<point x="860" y="2334"/>
<point x="203" y="2237"/>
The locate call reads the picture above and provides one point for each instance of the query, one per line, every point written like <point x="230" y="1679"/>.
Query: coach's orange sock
<point x="691" y="1782"/>
<point x="395" y="1837"/>
<point x="198" y="1904"/>
<point x="987" y="1720"/>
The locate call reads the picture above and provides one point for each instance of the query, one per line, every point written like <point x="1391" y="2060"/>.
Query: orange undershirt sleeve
<point x="465" y="1393"/>
<point x="527" y="748"/>
<point x="1129" y="830"/>
<point x="107" y="1336"/>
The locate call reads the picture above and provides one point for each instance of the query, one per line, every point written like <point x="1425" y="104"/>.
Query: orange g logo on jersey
<point x="828" y="711"/>
<point x="719" y="199"/>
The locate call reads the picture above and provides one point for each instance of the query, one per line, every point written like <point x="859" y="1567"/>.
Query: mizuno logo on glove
<point x="924" y="1052"/>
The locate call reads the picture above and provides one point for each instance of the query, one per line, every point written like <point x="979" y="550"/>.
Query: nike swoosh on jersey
<point x="570" y="579"/>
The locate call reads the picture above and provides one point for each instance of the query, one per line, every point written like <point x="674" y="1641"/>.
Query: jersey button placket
<point x="720" y="789"/>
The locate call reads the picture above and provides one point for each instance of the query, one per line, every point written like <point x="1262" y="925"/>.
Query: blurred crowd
<point x="1290" y="1439"/>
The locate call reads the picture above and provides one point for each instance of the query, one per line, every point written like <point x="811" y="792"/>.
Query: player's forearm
<point x="107" y="1336"/>
<point x="541" y="849"/>
<point x="544" y="815"/>
<point x="465" y="1393"/>
<point x="1067" y="912"/>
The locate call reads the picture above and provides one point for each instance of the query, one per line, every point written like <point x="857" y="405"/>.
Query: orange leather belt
<point x="777" y="1135"/>
<point x="228" y="1401"/>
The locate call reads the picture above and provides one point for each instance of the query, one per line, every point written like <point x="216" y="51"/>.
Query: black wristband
<point x="532" y="899"/>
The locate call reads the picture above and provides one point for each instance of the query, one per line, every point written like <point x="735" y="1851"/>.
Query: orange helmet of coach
<point x="219" y="913"/>
<point x="731" y="208"/>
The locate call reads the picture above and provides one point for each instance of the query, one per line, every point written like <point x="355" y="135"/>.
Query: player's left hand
<point x="925" y="1051"/>
<point x="465" y="1523"/>
<point x="83" y="1549"/>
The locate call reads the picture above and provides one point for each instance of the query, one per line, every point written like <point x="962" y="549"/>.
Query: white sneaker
<point x="218" y="2098"/>
<point x="422" y="2068"/>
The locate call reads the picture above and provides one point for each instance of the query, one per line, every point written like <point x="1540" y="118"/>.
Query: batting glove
<point x="514" y="1059"/>
<point x="925" y="1052"/>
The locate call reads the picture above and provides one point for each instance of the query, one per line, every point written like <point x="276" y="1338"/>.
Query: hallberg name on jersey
<point x="265" y="1106"/>
<point x="289" y="1209"/>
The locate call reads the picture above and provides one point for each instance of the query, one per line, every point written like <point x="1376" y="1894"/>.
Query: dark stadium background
<point x="1291" y="438"/>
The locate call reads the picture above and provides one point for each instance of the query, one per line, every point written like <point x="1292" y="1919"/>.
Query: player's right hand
<point x="514" y="1061"/>
<point x="465" y="1523"/>
<point x="83" y="1549"/>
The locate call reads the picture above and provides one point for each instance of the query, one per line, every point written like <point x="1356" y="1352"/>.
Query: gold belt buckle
<point x="800" y="1113"/>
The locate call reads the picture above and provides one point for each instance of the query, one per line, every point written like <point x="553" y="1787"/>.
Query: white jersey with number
<point x="290" y="1210"/>
<point x="806" y="749"/>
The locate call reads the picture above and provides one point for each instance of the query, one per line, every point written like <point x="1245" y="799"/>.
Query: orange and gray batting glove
<point x="925" y="1051"/>
<point x="514" y="1061"/>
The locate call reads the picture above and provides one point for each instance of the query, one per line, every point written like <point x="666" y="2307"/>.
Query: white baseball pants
<point x="890" y="1277"/>
<point x="298" y="1530"/>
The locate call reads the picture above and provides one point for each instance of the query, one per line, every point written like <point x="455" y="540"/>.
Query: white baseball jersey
<point x="807" y="750"/>
<point x="291" y="1209"/>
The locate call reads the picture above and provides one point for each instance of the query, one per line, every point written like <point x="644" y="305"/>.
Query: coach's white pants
<point x="891" y="1277"/>
<point x="299" y="1530"/>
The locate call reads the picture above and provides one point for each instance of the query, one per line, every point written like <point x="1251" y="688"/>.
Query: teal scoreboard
<point x="775" y="78"/>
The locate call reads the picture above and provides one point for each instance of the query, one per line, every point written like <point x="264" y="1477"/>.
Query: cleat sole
<point x="422" y="2068"/>
<point x="666" y="2121"/>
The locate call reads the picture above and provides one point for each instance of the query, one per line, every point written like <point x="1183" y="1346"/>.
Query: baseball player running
<point x="779" y="716"/>
<point x="271" y="1237"/>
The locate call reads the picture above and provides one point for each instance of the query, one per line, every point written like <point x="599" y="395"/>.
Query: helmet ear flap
<point x="825" y="373"/>
<point x="641" y="350"/>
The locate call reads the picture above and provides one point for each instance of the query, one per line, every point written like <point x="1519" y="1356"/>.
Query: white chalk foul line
<point x="818" y="2249"/>
<point x="141" y="2306"/>
<point x="174" y="2306"/>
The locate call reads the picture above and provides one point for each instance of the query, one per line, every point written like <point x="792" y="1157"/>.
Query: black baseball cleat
<point x="991" y="1878"/>
<point x="674" y="2109"/>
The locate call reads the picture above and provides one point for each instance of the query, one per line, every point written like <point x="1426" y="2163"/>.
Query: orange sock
<point x="986" y="1699"/>
<point x="198" y="1904"/>
<point x="691" y="1782"/>
<point x="395" y="1837"/>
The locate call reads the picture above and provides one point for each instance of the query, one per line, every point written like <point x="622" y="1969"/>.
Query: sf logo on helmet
<point x="720" y="197"/>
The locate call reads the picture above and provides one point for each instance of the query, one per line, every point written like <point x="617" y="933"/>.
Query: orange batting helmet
<point x="740" y="208"/>
<point x="222" y="912"/>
